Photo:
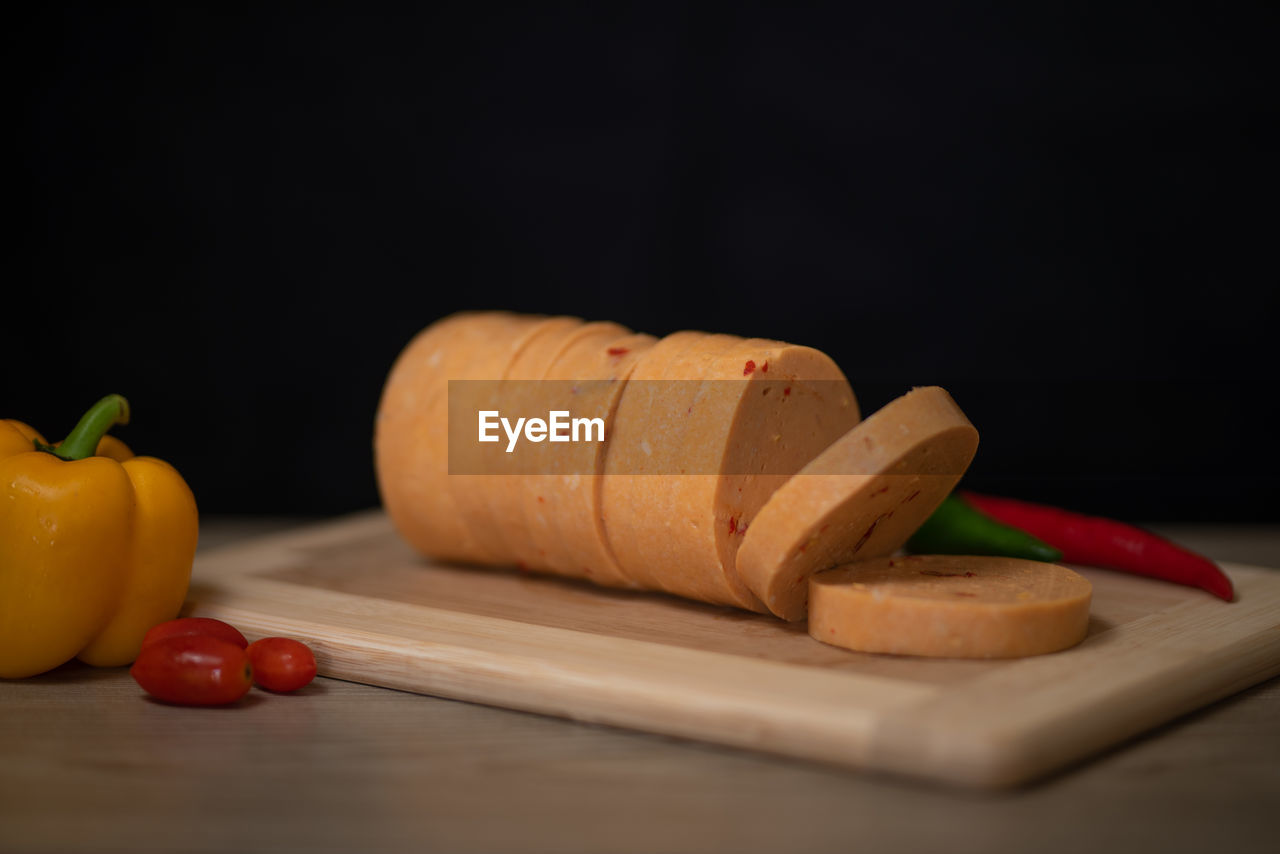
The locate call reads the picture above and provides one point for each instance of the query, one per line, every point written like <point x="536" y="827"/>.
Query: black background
<point x="238" y="218"/>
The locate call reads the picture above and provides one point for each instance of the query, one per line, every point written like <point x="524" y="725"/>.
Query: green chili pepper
<point x="956" y="528"/>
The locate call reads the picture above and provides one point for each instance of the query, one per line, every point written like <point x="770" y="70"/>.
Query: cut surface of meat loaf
<point x="950" y="606"/>
<point x="720" y="420"/>
<point x="861" y="498"/>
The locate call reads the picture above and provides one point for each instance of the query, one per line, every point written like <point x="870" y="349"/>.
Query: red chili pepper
<point x="1106" y="543"/>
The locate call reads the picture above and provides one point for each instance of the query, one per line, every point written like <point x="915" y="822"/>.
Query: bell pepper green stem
<point x="83" y="440"/>
<point x="958" y="528"/>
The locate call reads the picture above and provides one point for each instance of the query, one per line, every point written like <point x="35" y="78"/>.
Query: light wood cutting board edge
<point x="1114" y="686"/>
<point x="856" y="720"/>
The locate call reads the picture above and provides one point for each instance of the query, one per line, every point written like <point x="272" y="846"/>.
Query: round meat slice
<point x="411" y="427"/>
<point x="476" y="469"/>
<point x="950" y="606"/>
<point x="644" y="447"/>
<point x="708" y="427"/>
<point x="860" y="498"/>
<point x="562" y="517"/>
<point x="638" y="502"/>
<point x="521" y="394"/>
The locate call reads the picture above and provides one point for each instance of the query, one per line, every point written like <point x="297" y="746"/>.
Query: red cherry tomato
<point x="281" y="664"/>
<point x="195" y="626"/>
<point x="194" y="670"/>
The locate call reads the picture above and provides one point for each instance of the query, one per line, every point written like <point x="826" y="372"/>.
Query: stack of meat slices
<point x="732" y="471"/>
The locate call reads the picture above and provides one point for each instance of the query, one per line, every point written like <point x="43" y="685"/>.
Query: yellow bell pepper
<point x="94" y="550"/>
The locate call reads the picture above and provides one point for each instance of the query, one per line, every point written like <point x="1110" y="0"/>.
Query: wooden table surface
<point x="88" y="764"/>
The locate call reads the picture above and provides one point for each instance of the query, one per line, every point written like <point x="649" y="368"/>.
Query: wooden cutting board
<point x="375" y="612"/>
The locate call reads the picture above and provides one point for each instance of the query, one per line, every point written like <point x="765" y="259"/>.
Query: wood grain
<point x="376" y="613"/>
<point x="90" y="765"/>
